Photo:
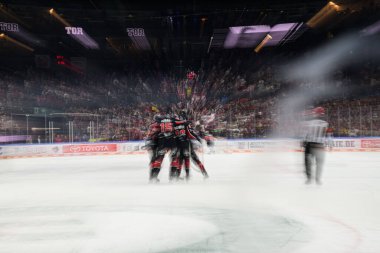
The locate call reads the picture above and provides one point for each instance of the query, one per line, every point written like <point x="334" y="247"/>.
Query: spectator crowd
<point x="229" y="96"/>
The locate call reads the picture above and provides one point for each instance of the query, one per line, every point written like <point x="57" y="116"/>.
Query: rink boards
<point x="221" y="146"/>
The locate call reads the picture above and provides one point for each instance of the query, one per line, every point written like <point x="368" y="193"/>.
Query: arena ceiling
<point x="175" y="28"/>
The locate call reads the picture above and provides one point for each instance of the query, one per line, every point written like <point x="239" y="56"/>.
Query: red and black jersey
<point x="154" y="130"/>
<point x="184" y="132"/>
<point x="180" y="130"/>
<point x="166" y="128"/>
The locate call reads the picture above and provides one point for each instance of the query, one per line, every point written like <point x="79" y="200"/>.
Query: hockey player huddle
<point x="173" y="134"/>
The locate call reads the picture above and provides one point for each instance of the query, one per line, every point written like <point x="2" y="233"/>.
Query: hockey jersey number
<point x="166" y="127"/>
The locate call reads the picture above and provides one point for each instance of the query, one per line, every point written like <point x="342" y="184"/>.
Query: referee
<point x="314" y="133"/>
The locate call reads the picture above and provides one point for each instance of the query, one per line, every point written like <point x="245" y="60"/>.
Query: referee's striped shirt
<point x="315" y="131"/>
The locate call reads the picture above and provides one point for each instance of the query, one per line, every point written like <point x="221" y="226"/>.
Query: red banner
<point x="370" y="143"/>
<point x="90" y="148"/>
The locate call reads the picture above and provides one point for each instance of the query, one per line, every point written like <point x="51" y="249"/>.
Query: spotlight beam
<point x="262" y="43"/>
<point x="8" y="13"/>
<point x="110" y="42"/>
<point x="83" y="38"/>
<point x="58" y="17"/>
<point x="329" y="9"/>
<point x="20" y="44"/>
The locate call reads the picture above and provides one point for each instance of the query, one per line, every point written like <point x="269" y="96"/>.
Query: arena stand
<point x="240" y="97"/>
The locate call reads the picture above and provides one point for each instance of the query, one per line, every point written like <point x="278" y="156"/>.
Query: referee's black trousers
<point x="314" y="150"/>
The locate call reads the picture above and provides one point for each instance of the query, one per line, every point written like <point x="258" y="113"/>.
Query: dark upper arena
<point x="100" y="70"/>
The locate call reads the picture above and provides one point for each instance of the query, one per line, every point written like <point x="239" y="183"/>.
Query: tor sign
<point x="74" y="30"/>
<point x="81" y="37"/>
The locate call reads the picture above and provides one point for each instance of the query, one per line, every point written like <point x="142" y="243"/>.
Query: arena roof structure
<point x="178" y="30"/>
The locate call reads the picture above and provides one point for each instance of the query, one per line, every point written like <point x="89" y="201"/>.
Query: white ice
<point x="255" y="203"/>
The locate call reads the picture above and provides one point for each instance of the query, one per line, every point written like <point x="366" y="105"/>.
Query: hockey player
<point x="314" y="132"/>
<point x="185" y="135"/>
<point x="181" y="151"/>
<point x="210" y="140"/>
<point x="196" y="159"/>
<point x="151" y="144"/>
<point x="162" y="137"/>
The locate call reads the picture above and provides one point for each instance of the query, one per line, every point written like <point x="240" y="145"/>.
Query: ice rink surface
<point x="255" y="203"/>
